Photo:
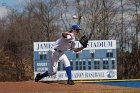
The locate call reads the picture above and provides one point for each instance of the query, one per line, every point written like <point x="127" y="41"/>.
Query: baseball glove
<point x="84" y="41"/>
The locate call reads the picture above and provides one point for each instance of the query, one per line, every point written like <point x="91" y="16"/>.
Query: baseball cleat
<point x="38" y="77"/>
<point x="70" y="82"/>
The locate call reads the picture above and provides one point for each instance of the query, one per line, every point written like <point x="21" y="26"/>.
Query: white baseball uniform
<point x="57" y="54"/>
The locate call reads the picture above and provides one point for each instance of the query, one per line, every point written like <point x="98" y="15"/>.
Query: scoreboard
<point x="97" y="61"/>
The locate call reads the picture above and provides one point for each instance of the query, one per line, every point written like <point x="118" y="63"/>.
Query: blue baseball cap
<point x="75" y="27"/>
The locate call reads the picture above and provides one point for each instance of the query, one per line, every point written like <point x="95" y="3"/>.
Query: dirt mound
<point x="60" y="87"/>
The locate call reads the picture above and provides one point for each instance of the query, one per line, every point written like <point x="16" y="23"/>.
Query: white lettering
<point x="41" y="64"/>
<point x="41" y="69"/>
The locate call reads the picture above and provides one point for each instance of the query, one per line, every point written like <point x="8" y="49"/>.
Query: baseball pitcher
<point x="67" y="41"/>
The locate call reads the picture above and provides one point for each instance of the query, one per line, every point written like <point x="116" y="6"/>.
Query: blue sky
<point x="13" y="3"/>
<point x="10" y="3"/>
<point x="6" y="5"/>
<point x="16" y="4"/>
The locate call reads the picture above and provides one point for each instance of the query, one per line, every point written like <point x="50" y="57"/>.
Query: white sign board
<point x="97" y="61"/>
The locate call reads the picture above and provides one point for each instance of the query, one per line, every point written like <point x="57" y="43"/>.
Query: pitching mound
<point x="60" y="87"/>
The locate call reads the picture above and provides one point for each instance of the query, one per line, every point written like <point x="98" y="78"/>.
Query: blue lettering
<point x="78" y="75"/>
<point x="101" y="44"/>
<point x="95" y="74"/>
<point x="95" y="45"/>
<point x="38" y="47"/>
<point x="109" y="44"/>
<point x="41" y="46"/>
<point x="44" y="46"/>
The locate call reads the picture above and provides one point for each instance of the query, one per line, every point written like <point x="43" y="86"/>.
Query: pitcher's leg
<point x="68" y="72"/>
<point x="53" y="65"/>
<point x="40" y="76"/>
<point x="66" y="62"/>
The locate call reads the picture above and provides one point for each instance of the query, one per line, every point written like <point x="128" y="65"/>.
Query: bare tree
<point x="44" y="14"/>
<point x="96" y="17"/>
<point x="135" y="38"/>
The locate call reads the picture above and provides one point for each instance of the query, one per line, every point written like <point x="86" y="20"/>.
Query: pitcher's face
<point x="75" y="32"/>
